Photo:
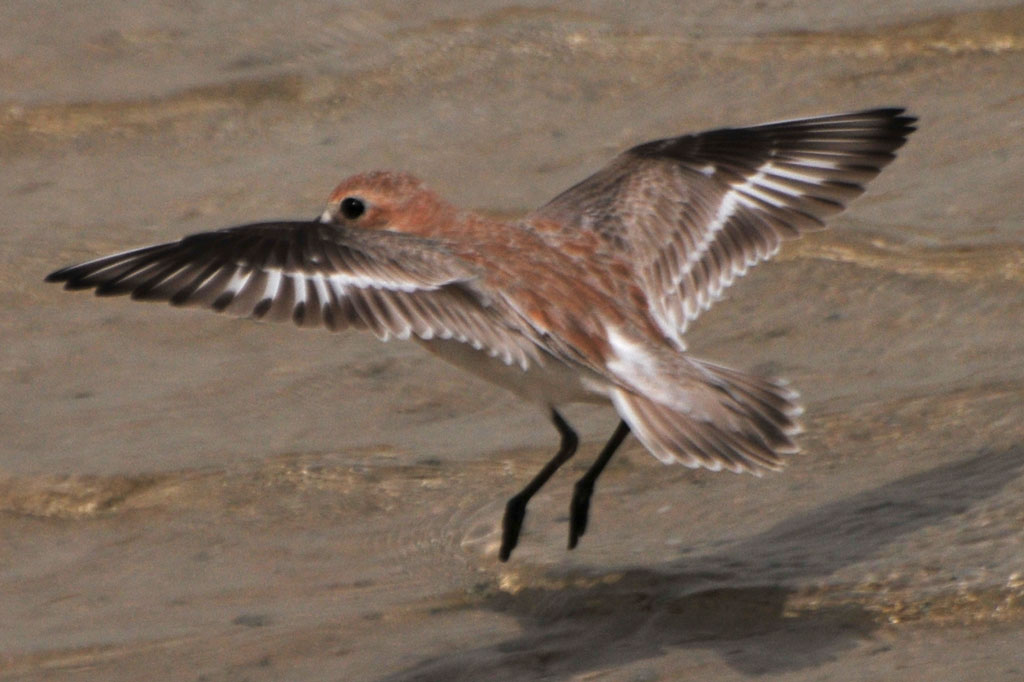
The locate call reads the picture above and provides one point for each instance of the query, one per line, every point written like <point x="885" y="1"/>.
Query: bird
<point x="584" y="300"/>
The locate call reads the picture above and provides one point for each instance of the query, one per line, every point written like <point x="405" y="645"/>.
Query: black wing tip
<point x="79" y="278"/>
<point x="900" y="121"/>
<point x="63" y="275"/>
<point x="889" y="120"/>
<point x="890" y="126"/>
<point x="72" y="278"/>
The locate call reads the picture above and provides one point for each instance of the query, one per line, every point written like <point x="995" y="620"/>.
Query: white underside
<point x="550" y="384"/>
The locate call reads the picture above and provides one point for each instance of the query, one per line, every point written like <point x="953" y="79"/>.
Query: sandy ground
<point x="188" y="497"/>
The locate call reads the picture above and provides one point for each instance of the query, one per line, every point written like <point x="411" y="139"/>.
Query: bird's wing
<point x="317" y="274"/>
<point x="692" y="213"/>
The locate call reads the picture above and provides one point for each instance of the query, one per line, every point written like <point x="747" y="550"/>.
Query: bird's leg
<point x="515" y="510"/>
<point x="579" y="508"/>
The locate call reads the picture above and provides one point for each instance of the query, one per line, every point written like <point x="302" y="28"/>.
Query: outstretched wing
<point x="315" y="274"/>
<point x="694" y="212"/>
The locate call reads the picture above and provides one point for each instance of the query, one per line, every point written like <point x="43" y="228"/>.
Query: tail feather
<point x="769" y="393"/>
<point x="744" y="424"/>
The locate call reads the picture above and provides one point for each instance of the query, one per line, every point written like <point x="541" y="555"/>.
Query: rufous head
<point x="386" y="200"/>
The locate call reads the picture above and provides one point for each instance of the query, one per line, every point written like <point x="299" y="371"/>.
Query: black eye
<point x="352" y="208"/>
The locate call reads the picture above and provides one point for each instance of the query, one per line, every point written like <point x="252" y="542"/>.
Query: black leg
<point x="579" y="508"/>
<point x="515" y="510"/>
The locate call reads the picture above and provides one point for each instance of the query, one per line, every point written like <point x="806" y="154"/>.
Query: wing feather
<point x="317" y="274"/>
<point x="695" y="212"/>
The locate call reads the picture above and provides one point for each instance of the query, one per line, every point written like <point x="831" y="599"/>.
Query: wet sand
<point x="184" y="496"/>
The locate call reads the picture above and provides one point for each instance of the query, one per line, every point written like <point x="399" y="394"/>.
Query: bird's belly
<point x="553" y="383"/>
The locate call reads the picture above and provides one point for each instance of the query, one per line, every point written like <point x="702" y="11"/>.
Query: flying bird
<point x="586" y="299"/>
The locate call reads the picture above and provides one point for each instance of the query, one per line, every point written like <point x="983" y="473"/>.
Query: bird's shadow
<point x="698" y="602"/>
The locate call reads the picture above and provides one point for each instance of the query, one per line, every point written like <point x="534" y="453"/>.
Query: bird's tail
<point x="726" y="419"/>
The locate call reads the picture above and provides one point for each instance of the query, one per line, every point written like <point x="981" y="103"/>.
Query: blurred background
<point x="190" y="497"/>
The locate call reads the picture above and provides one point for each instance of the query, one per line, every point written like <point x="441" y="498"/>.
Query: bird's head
<point x="385" y="200"/>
